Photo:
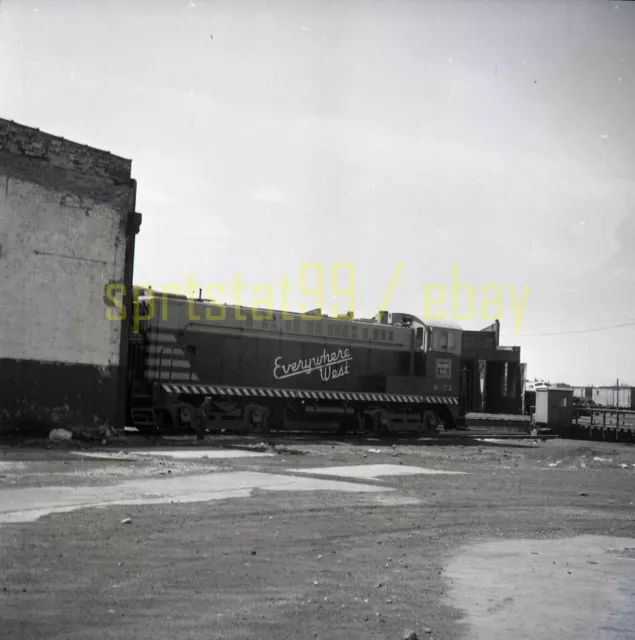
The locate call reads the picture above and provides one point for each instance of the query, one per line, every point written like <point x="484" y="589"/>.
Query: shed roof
<point x="554" y="388"/>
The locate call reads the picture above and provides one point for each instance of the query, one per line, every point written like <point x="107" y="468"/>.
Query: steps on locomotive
<point x="142" y="413"/>
<point x="142" y="417"/>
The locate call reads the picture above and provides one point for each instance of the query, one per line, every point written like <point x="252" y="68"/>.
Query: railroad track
<point x="510" y="432"/>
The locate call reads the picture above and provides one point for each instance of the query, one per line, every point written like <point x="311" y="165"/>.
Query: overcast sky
<point x="496" y="136"/>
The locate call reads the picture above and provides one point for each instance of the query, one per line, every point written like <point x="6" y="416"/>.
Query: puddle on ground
<point x="90" y="473"/>
<point x="395" y="500"/>
<point x="373" y="471"/>
<point x="12" y="466"/>
<point x="181" y="454"/>
<point x="42" y="501"/>
<point x="570" y="589"/>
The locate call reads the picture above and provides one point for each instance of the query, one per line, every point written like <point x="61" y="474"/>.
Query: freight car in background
<point x="246" y="369"/>
<point x="618" y="396"/>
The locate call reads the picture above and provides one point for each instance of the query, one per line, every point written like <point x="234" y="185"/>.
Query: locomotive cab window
<point x="439" y="340"/>
<point x="444" y="340"/>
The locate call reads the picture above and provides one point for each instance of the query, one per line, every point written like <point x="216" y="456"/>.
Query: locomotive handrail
<point x="184" y="329"/>
<point x="206" y="326"/>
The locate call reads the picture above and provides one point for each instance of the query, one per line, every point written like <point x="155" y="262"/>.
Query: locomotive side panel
<point x="193" y="341"/>
<point x="222" y="358"/>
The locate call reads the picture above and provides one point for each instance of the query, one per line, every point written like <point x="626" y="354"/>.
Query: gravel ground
<point x="265" y="550"/>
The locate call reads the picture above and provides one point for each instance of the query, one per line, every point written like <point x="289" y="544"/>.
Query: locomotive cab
<point x="444" y="339"/>
<point x="434" y="372"/>
<point x="436" y="352"/>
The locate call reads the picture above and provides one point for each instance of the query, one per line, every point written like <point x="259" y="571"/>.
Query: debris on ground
<point x="60" y="435"/>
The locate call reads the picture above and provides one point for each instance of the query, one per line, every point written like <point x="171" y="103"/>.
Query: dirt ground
<point x="330" y="540"/>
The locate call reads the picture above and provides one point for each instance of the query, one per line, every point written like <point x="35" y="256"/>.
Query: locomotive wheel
<point x="380" y="423"/>
<point x="248" y="419"/>
<point x="446" y="417"/>
<point x="264" y="421"/>
<point x="194" y="417"/>
<point x="255" y="418"/>
<point x="164" y="420"/>
<point x="187" y="414"/>
<point x="428" y="423"/>
<point x="358" y="421"/>
<point x="344" y="424"/>
<point x="276" y="417"/>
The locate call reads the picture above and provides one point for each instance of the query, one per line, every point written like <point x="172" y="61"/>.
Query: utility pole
<point x="617" y="394"/>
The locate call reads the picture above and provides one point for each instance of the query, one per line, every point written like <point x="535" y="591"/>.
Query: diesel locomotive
<point x="204" y="365"/>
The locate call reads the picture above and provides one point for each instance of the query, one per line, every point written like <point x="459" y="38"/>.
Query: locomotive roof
<point x="429" y="322"/>
<point x="441" y="323"/>
<point x="438" y="323"/>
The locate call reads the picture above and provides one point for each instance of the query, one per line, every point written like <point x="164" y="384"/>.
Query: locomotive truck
<point x="204" y="365"/>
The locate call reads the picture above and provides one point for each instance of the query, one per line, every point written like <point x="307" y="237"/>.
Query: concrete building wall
<point x="65" y="233"/>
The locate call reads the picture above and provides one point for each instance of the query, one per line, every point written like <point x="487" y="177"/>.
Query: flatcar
<point x="196" y="362"/>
